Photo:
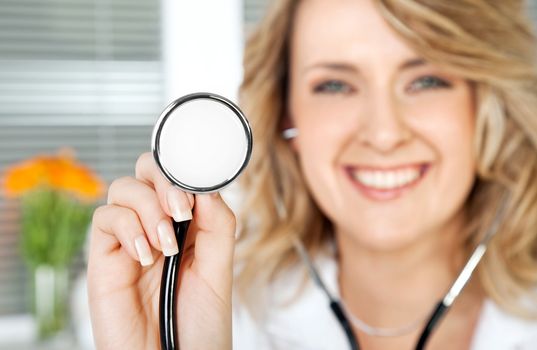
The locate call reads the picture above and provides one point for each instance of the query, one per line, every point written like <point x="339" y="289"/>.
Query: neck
<point x="395" y="288"/>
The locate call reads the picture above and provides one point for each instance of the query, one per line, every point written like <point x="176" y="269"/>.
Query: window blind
<point x="80" y="73"/>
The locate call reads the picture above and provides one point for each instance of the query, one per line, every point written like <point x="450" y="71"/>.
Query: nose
<point x="382" y="126"/>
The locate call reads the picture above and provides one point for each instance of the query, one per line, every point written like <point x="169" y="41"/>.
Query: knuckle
<point x="117" y="187"/>
<point x="126" y="219"/>
<point x="142" y="162"/>
<point x="229" y="219"/>
<point x="100" y="219"/>
<point x="98" y="213"/>
<point x="162" y="187"/>
<point x="150" y="208"/>
<point x="97" y="217"/>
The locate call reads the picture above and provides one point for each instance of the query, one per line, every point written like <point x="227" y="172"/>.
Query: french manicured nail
<point x="179" y="209"/>
<point x="143" y="250"/>
<point x="166" y="238"/>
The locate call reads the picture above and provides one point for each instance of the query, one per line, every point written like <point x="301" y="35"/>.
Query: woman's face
<point x="385" y="138"/>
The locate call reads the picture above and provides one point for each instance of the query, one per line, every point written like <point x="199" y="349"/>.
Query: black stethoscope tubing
<point x="168" y="290"/>
<point x="441" y="308"/>
<point x="338" y="312"/>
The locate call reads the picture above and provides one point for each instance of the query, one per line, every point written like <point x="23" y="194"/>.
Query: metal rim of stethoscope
<point x="155" y="145"/>
<point x="440" y="308"/>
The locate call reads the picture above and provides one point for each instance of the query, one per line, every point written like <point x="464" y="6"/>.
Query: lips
<point x="386" y="182"/>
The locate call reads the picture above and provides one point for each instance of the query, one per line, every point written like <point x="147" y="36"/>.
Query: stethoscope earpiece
<point x="289" y="133"/>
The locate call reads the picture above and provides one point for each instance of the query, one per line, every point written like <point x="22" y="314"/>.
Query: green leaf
<point x="54" y="227"/>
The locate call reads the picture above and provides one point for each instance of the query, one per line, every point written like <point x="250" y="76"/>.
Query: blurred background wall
<point x="94" y="75"/>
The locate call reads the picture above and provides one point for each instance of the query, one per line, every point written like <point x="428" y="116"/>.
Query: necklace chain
<point x="357" y="322"/>
<point x="386" y="332"/>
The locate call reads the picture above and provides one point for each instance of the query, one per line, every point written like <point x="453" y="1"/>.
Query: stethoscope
<point x="440" y="309"/>
<point x="201" y="143"/>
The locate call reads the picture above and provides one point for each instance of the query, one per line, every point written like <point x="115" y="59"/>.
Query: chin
<point x="381" y="239"/>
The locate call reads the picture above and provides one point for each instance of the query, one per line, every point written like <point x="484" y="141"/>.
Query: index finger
<point x="175" y="202"/>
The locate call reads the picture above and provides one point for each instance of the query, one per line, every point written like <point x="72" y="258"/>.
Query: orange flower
<point x="60" y="172"/>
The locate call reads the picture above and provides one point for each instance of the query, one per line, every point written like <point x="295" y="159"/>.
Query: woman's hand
<point x="128" y="238"/>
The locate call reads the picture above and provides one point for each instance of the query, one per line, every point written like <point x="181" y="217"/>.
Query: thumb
<point x="214" y="232"/>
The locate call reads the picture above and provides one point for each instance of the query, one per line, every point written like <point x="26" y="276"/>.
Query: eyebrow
<point x="347" y="67"/>
<point x="412" y="63"/>
<point x="337" y="66"/>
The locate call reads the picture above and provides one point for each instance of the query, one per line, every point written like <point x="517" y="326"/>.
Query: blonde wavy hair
<point x="488" y="42"/>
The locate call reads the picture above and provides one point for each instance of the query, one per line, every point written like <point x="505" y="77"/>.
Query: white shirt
<point x="309" y="324"/>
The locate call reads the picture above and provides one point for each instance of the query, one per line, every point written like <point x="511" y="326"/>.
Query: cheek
<point x="447" y="123"/>
<point x="450" y="134"/>
<point x="456" y="160"/>
<point x="324" y="124"/>
<point x="323" y="131"/>
<point x="317" y="126"/>
<point x="317" y="147"/>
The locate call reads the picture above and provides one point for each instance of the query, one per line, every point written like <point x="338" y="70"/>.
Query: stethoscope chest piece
<point x="201" y="143"/>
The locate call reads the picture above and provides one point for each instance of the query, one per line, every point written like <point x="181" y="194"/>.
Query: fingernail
<point x="143" y="250"/>
<point x="166" y="238"/>
<point x="179" y="210"/>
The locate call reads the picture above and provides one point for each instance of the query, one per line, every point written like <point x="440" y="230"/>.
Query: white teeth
<point x="386" y="180"/>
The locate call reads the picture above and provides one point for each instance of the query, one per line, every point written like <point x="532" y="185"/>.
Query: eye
<point x="428" y="82"/>
<point x="333" y="87"/>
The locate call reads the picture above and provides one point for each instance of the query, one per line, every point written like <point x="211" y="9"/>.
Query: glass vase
<point x="51" y="300"/>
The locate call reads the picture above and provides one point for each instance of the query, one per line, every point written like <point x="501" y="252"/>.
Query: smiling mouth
<point x="387" y="183"/>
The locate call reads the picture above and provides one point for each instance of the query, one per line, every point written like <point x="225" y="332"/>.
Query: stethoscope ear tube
<point x="436" y="316"/>
<point x="168" y="290"/>
<point x="441" y="308"/>
<point x="344" y="321"/>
